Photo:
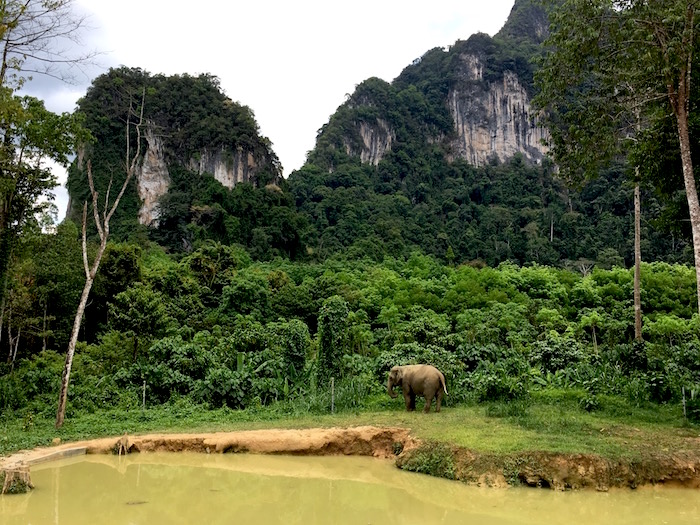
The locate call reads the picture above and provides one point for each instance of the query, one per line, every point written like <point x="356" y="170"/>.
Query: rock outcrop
<point x="190" y="128"/>
<point x="228" y="167"/>
<point x="472" y="100"/>
<point x="493" y="119"/>
<point x="376" y="138"/>
<point x="152" y="178"/>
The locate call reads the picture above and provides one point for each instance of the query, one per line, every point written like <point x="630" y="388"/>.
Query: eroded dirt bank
<point x="539" y="469"/>
<point x="576" y="471"/>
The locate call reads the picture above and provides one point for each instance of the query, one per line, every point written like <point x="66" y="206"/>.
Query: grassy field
<point x="616" y="430"/>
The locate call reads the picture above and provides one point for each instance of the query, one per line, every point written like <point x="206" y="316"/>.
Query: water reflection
<point x="235" y="488"/>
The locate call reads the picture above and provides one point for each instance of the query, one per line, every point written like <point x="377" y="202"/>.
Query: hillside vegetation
<point x="276" y="297"/>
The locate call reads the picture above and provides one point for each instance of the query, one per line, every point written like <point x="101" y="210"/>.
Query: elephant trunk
<point x="390" y="389"/>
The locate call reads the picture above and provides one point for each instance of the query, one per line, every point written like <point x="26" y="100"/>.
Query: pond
<point x="178" y="488"/>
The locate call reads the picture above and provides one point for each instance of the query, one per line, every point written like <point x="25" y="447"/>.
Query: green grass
<point x="615" y="430"/>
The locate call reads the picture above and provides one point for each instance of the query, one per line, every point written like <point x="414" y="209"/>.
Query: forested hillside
<point x="206" y="173"/>
<point x="386" y="176"/>
<point x="427" y="225"/>
<point x="390" y="172"/>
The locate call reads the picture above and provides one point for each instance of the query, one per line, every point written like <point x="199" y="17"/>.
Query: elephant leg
<point x="413" y="401"/>
<point x="428" y="401"/>
<point x="439" y="401"/>
<point x="407" y="400"/>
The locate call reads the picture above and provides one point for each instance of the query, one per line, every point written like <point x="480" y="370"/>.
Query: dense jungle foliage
<point x="512" y="283"/>
<point x="219" y="329"/>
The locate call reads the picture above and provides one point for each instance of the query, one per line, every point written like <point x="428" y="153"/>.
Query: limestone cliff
<point x="228" y="167"/>
<point x="492" y="119"/>
<point x="377" y="139"/>
<point x="191" y="130"/>
<point x="472" y="100"/>
<point x="152" y="178"/>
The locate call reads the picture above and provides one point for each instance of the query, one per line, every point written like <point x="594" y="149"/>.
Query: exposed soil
<point x="537" y="469"/>
<point x="577" y="471"/>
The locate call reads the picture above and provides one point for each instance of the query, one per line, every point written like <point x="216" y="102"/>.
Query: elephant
<point x="417" y="380"/>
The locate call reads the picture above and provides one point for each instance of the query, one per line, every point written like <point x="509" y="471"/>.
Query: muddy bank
<point x="380" y="442"/>
<point x="537" y="469"/>
<point x="576" y="471"/>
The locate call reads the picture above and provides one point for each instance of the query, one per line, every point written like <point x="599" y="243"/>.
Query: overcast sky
<point x="291" y="61"/>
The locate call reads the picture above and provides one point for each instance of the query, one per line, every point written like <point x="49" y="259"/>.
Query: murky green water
<point x="250" y="489"/>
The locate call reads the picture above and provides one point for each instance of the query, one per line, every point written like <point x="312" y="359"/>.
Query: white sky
<point x="291" y="61"/>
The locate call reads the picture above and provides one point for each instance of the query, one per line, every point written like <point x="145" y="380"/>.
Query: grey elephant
<point x="417" y="380"/>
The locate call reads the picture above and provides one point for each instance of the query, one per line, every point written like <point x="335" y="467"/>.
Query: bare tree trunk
<point x="637" y="261"/>
<point x="679" y="97"/>
<point x="65" y="378"/>
<point x="680" y="107"/>
<point x="2" y="316"/>
<point x="44" y="336"/>
<point x="14" y="354"/>
<point x="551" y="228"/>
<point x="9" y="334"/>
<point x="102" y="224"/>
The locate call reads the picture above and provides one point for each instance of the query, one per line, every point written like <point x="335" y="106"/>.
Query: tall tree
<point x="33" y="40"/>
<point x="29" y="136"/>
<point x="332" y="339"/>
<point x="102" y="216"/>
<point x="611" y="64"/>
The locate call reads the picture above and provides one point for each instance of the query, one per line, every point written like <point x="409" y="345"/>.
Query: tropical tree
<point x="30" y="135"/>
<point x="332" y="338"/>
<point x="33" y="34"/>
<point x="140" y="313"/>
<point x="611" y="65"/>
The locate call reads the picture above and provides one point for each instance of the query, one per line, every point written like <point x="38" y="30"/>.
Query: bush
<point x="221" y="387"/>
<point x="503" y="381"/>
<point x="471" y="354"/>
<point x="556" y="353"/>
<point x="12" y="394"/>
<point x="692" y="407"/>
<point x="632" y="357"/>
<point x="173" y="367"/>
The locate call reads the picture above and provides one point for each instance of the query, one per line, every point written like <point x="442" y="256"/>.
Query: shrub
<point x="632" y="357"/>
<point x="692" y="407"/>
<point x="505" y="381"/>
<point x="221" y="387"/>
<point x="555" y="353"/>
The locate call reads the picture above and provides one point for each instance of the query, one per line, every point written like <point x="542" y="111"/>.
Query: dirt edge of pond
<point x="537" y="469"/>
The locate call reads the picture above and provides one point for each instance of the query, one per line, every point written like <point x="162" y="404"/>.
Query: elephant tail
<point x="444" y="385"/>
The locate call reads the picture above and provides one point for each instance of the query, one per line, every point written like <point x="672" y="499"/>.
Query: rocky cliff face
<point x="472" y="100"/>
<point x="191" y="128"/>
<point x="228" y="167"/>
<point x="492" y="119"/>
<point x="152" y="178"/>
<point x="376" y="138"/>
